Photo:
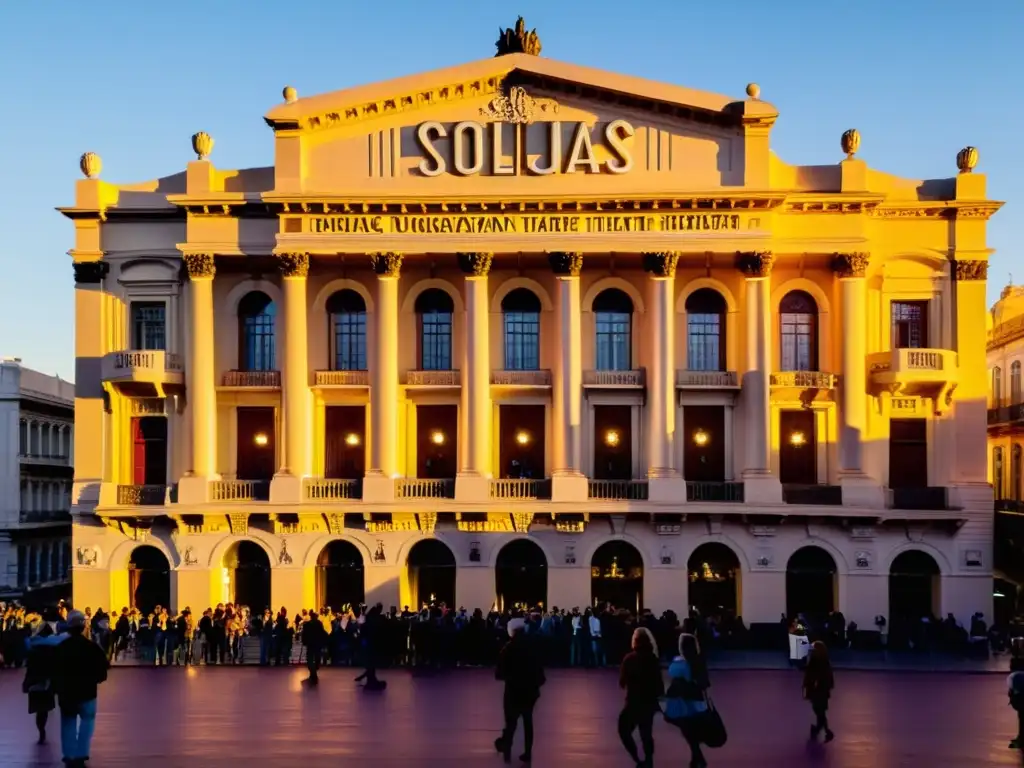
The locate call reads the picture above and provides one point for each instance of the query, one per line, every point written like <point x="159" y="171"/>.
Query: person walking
<point x="818" y="685"/>
<point x="38" y="683"/>
<point x="78" y="669"/>
<point x="640" y="676"/>
<point x="686" y="704"/>
<point x="520" y="668"/>
<point x="314" y="637"/>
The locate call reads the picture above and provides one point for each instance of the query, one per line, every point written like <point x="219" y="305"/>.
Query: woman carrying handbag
<point x="687" y="704"/>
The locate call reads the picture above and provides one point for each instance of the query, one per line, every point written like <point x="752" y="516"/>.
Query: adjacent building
<point x="522" y="331"/>
<point x="37" y="414"/>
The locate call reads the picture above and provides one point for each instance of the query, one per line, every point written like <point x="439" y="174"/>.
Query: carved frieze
<point x="661" y="264"/>
<point x="755" y="263"/>
<point x="283" y="558"/>
<point x="850" y="264"/>
<point x="427" y="521"/>
<point x="90" y="272"/>
<point x="293" y="264"/>
<point x="518" y="107"/>
<point x="475" y="264"/>
<point x="199" y="265"/>
<point x="521" y="521"/>
<point x="518" y="40"/>
<point x="386" y="264"/>
<point x="566" y="263"/>
<point x="970" y="270"/>
<point x="239" y="522"/>
<point x="87" y="556"/>
<point x="335" y="523"/>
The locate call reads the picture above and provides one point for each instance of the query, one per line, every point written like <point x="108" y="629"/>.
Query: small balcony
<point x="141" y="495"/>
<point x="927" y="372"/>
<point x="50" y="461"/>
<point x="521" y="379"/>
<point x="341" y="379"/>
<point x="707" y="380"/>
<point x="433" y="379"/>
<point x="252" y="380"/>
<point x="421" y="488"/>
<point x="728" y="492"/>
<point x="44" y="516"/>
<point x="803" y="385"/>
<point x="813" y="495"/>
<point x="519" y="489"/>
<point x="326" y="489"/>
<point x="926" y="498"/>
<point x="617" y="490"/>
<point x="633" y="379"/>
<point x="144" y="372"/>
<point x="240" y="490"/>
<point x="1007" y="414"/>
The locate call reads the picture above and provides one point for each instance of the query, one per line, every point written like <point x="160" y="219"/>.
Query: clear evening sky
<point x="133" y="81"/>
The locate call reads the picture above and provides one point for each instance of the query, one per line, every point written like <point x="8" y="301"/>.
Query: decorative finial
<point x="966" y="159"/>
<point x="290" y="94"/>
<point x="518" y="40"/>
<point x="202" y="144"/>
<point x="754" y="90"/>
<point x="91" y="165"/>
<point x="850" y="142"/>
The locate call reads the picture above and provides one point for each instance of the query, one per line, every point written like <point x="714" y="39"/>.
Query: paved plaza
<point x="249" y="716"/>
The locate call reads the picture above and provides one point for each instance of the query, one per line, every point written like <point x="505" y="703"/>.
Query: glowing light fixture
<point x="523" y="437"/>
<point x="998" y="594"/>
<point x="437" y="437"/>
<point x="352" y="439"/>
<point x="261" y="439"/>
<point x="611" y="438"/>
<point x="797" y="439"/>
<point x="701" y="438"/>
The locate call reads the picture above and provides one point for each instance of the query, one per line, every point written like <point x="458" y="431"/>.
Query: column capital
<point x="475" y="264"/>
<point x="566" y="263"/>
<point x="970" y="270"/>
<point x="755" y="263"/>
<point x="293" y="264"/>
<point x="199" y="265"/>
<point x="661" y="264"/>
<point x="386" y="263"/>
<point x="90" y="271"/>
<point x="850" y="264"/>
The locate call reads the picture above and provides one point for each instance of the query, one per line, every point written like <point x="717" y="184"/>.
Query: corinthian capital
<point x="475" y="264"/>
<point x="387" y="263"/>
<point x="850" y="264"/>
<point x="293" y="264"/>
<point x="970" y="270"/>
<point x="90" y="272"/>
<point x="755" y="263"/>
<point x="199" y="265"/>
<point x="566" y="263"/>
<point x="661" y="264"/>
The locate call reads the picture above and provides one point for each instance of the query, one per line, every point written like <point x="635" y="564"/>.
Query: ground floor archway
<point x="430" y="571"/>
<point x="521" y="576"/>
<point x="617" y="576"/>
<point x="914" y="586"/>
<point x="340" y="576"/>
<point x="713" y="572"/>
<point x="247" y="572"/>
<point x="810" y="583"/>
<point x="149" y="579"/>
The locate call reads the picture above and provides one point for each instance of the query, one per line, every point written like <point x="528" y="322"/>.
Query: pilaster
<point x="91" y="416"/>
<point x="568" y="482"/>
<point x="379" y="483"/>
<point x="971" y="394"/>
<point x="473" y="482"/>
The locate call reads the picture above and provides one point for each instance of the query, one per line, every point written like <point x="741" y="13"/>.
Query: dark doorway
<point x="248" y="575"/>
<point x="704" y="443"/>
<point x="913" y="587"/>
<point x="339" y="576"/>
<point x="521" y="576"/>
<point x="617" y="576"/>
<point x="432" y="573"/>
<point x="256" y="444"/>
<point x="437" y="441"/>
<point x="613" y="442"/>
<point x="345" y="442"/>
<point x="522" y="441"/>
<point x="149" y="580"/>
<point x="908" y="453"/>
<point x="714" y="574"/>
<point x="798" y="449"/>
<point x="810" y="583"/>
<point x="149" y="450"/>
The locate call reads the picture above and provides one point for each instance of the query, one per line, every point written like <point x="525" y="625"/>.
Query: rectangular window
<point x="522" y="341"/>
<point x="798" y="341"/>
<point x="350" y="341"/>
<point x="612" y="341"/>
<point x="704" y="350"/>
<point x="910" y="324"/>
<point x="148" y="325"/>
<point x="436" y="341"/>
<point x="23" y="438"/>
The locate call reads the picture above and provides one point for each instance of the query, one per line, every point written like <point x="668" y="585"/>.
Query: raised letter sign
<point x="423" y="134"/>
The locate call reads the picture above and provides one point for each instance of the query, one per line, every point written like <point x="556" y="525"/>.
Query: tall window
<point x="434" y="308"/>
<point x="798" y="331"/>
<point x="346" y="315"/>
<point x="1015" y="393"/>
<point x="997" y="472"/>
<point x="521" y="310"/>
<point x="256" y="315"/>
<point x="23" y="438"/>
<point x="909" y="324"/>
<point x="1015" y="472"/>
<point x="148" y="326"/>
<point x="613" y="317"/>
<point x="705" y="331"/>
<point x="997" y="386"/>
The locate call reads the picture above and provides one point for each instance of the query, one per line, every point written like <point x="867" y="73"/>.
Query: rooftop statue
<point x="518" y="40"/>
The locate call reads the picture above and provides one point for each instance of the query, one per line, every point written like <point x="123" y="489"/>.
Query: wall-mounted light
<point x="523" y="437"/>
<point x="261" y="439"/>
<point x="437" y="437"/>
<point x="797" y="439"/>
<point x="612" y="438"/>
<point x="701" y="438"/>
<point x="352" y="439"/>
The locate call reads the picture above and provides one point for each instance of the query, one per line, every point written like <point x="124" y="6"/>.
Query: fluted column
<point x="661" y="409"/>
<point x="474" y="480"/>
<point x="297" y="412"/>
<point x="379" y="484"/>
<point x="568" y="483"/>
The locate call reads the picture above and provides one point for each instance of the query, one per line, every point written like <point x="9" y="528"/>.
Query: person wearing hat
<point x="520" y="668"/>
<point x="79" y="667"/>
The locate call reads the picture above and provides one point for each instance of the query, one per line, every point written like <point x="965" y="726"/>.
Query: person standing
<point x="78" y="669"/>
<point x="686" y="699"/>
<point x="520" y="668"/>
<point x="818" y="685"/>
<point x="640" y="676"/>
<point x="370" y="637"/>
<point x="314" y="637"/>
<point x="38" y="683"/>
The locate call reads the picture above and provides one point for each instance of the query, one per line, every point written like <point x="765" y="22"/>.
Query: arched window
<point x="256" y="315"/>
<point x="997" y="472"/>
<point x="521" y="310"/>
<point x="705" y="331"/>
<point x="798" y="330"/>
<point x="1015" y="472"/>
<point x="997" y="387"/>
<point x="613" y="318"/>
<point x="434" y="308"/>
<point x="346" y="317"/>
<point x="1015" y="393"/>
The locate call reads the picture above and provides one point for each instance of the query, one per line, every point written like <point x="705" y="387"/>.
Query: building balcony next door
<point x="341" y="379"/>
<point x="144" y="372"/>
<point x="803" y="385"/>
<point x="707" y="380"/>
<point x="605" y="379"/>
<point x="251" y="380"/>
<point x="444" y="379"/>
<point x="927" y="372"/>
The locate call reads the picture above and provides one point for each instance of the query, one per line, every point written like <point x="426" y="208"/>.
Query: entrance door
<point x="908" y="453"/>
<point x="704" y="443"/>
<point x="149" y="450"/>
<point x="798" y="460"/>
<point x="255" y="439"/>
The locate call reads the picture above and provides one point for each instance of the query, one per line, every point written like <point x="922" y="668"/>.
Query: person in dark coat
<point x="314" y="637"/>
<point x="519" y="666"/>
<point x="370" y="636"/>
<point x="38" y="683"/>
<point x="640" y="676"/>
<point x="818" y="685"/>
<point x="79" y="666"/>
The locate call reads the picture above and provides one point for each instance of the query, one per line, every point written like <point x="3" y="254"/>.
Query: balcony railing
<point x="512" y="489"/>
<point x="706" y="379"/>
<point x="141" y="495"/>
<point x="433" y="378"/>
<point x="618" y="490"/>
<point x="814" y="495"/>
<point x="804" y="379"/>
<point x="419" y="488"/>
<point x="697" y="490"/>
<point x="341" y="378"/>
<point x="1006" y="413"/>
<point x="240" y="490"/>
<point x="521" y="378"/>
<point x="156" y="367"/>
<point x="254" y="379"/>
<point x="326" y="489"/>
<point x="927" y="498"/>
<point x="633" y="379"/>
<point x="931" y="372"/>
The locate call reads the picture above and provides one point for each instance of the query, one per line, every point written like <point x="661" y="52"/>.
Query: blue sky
<point x="133" y="81"/>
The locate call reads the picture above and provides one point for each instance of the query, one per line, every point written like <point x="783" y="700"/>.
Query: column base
<point x="859" y="490"/>
<point x="285" y="488"/>
<point x="666" y="490"/>
<point x="378" y="487"/>
<point x="472" y="488"/>
<point x="569" y="486"/>
<point x="761" y="488"/>
<point x="194" y="489"/>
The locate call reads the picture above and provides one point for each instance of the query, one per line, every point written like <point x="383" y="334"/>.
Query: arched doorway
<point x="810" y="583"/>
<point x="149" y="579"/>
<point x="521" y="575"/>
<point x="431" y="573"/>
<point x="247" y="575"/>
<point x="913" y="586"/>
<point x="339" y="575"/>
<point x="714" y="574"/>
<point x="617" y="576"/>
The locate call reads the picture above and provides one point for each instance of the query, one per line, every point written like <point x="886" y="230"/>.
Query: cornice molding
<point x="942" y="210"/>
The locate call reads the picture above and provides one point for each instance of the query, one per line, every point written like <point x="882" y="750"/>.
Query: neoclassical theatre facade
<point x="521" y="331"/>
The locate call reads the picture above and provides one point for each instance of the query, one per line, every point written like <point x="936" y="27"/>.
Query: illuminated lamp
<point x="797" y="439"/>
<point x="701" y="438"/>
<point x="261" y="439"/>
<point x="437" y="437"/>
<point x="611" y="438"/>
<point x="352" y="439"/>
<point x="523" y="437"/>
